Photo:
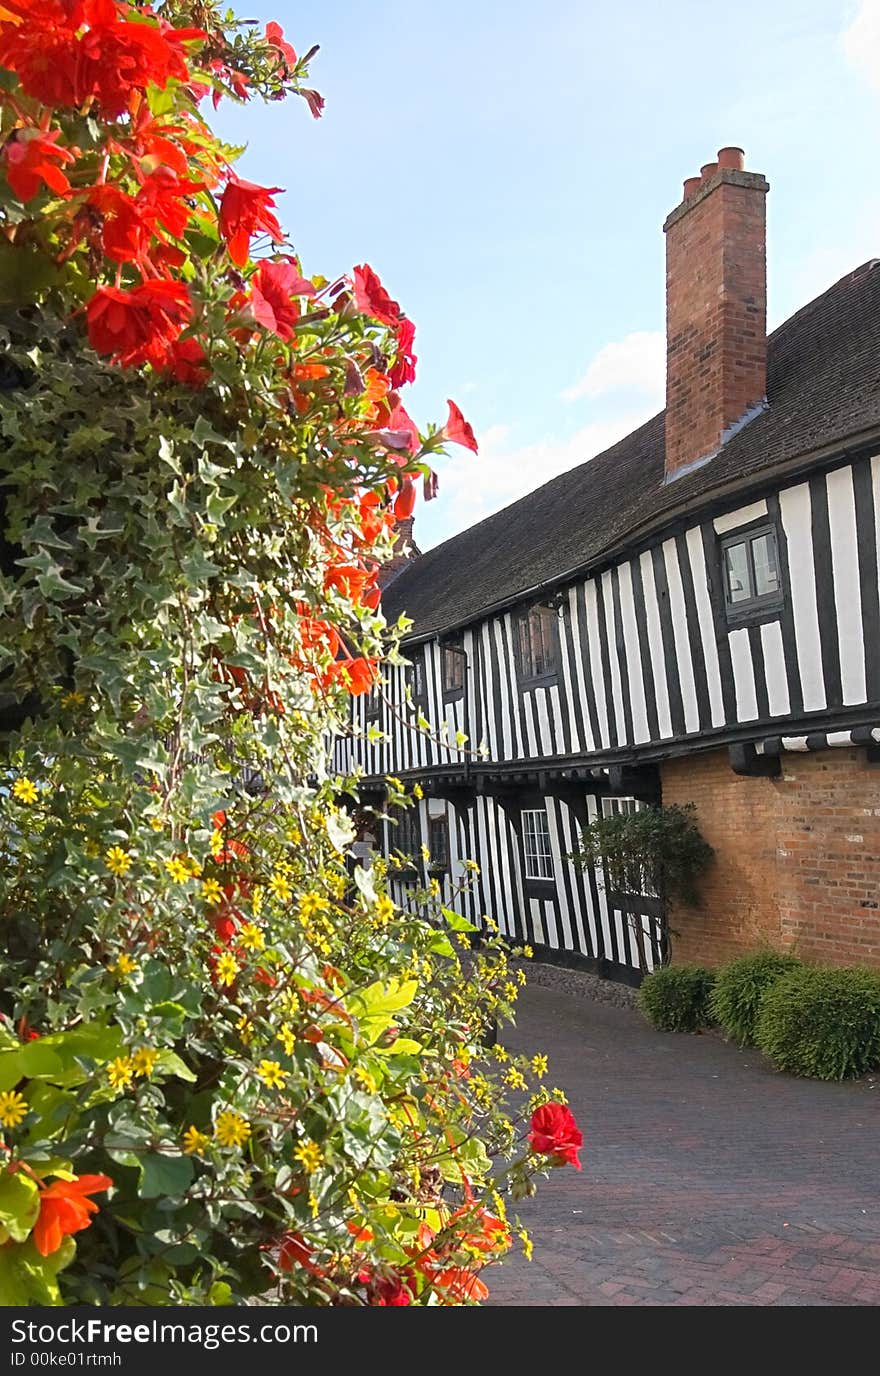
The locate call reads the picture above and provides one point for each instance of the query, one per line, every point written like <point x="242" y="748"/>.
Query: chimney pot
<point x="691" y="186"/>
<point x="708" y="170"/>
<point x="734" y="158"/>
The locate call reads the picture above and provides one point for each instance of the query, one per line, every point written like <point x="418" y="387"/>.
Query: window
<point x="415" y="679"/>
<point x="452" y="670"/>
<point x="536" y="844"/>
<point x="538" y="643"/>
<point x="750" y="564"/>
<point x="372" y="706"/>
<point x="438" y="842"/>
<point x="406" y="836"/>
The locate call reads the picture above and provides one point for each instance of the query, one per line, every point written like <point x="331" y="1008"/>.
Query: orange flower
<point x="65" y="1208"/>
<point x="461" y="1284"/>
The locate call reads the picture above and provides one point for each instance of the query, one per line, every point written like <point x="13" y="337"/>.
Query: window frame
<point x="757" y="606"/>
<point x="373" y="706"/>
<point x="454" y="649"/>
<point x="528" y="678"/>
<point x="418" y="669"/>
<point x="408" y="826"/>
<point x="435" y="865"/>
<point x="544" y="855"/>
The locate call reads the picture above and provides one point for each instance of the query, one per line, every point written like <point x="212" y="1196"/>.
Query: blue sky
<point x="506" y="168"/>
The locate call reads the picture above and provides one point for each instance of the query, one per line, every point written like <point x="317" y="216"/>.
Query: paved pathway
<point x="708" y="1179"/>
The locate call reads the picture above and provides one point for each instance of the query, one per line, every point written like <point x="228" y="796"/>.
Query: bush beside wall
<point x="739" y="989"/>
<point x="676" y="998"/>
<point x="822" y="1021"/>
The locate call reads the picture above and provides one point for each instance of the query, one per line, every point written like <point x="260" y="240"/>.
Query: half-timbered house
<point x="692" y="615"/>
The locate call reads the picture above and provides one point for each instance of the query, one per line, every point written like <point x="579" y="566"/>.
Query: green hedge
<point x="739" y="989"/>
<point x="676" y="998"/>
<point x="822" y="1022"/>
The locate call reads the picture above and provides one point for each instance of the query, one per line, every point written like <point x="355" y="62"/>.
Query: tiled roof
<point x="823" y="388"/>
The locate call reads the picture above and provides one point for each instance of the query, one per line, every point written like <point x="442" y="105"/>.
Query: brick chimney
<point x="716" y="310"/>
<point x="405" y="550"/>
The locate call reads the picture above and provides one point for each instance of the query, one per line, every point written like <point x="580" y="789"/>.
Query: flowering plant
<point x="227" y="1063"/>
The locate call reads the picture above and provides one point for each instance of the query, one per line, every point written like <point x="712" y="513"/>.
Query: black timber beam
<point x="745" y="760"/>
<point x="628" y="781"/>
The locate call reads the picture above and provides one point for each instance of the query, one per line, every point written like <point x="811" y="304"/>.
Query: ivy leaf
<point x="164" y="1176"/>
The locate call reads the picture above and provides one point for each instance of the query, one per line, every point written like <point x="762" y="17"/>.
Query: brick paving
<point x="708" y="1178"/>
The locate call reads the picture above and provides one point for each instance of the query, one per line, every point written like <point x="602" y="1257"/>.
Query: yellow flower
<point x="310" y="904"/>
<point x="120" y="1072"/>
<point x="384" y="909"/>
<point x="426" y="854"/>
<point x="25" y="791"/>
<point x="500" y="1053"/>
<point x="118" y="861"/>
<point x="539" y="1065"/>
<point x="216" y="843"/>
<point x="434" y="886"/>
<point x="143" y="1061"/>
<point x="178" y="870"/>
<point x="418" y="792"/>
<point x="193" y="866"/>
<point x="195" y="1141"/>
<point x="124" y="966"/>
<point x="211" y="891"/>
<point x="472" y="867"/>
<point x="559" y="1096"/>
<point x="227" y="968"/>
<point x="527" y="952"/>
<point x="257" y="900"/>
<point x="313" y="1204"/>
<point x="157" y="824"/>
<point x="245" y="1028"/>
<point x="286" y="1038"/>
<point x="230" y="1129"/>
<point x="279" y="886"/>
<point x="290" y="1001"/>
<point x="13" y="1108"/>
<point x="511" y="993"/>
<point x="527" y="1245"/>
<point x="520" y="977"/>
<point x="515" y="1079"/>
<point x="73" y="699"/>
<point x="294" y="835"/>
<point x="271" y="1074"/>
<point x="500" y="1206"/>
<point x="364" y="1079"/>
<point x="309" y="1156"/>
<point x="251" y="937"/>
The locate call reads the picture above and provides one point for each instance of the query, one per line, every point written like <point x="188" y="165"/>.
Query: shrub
<point x="822" y="1022"/>
<point x="676" y="998"/>
<point x="739" y="988"/>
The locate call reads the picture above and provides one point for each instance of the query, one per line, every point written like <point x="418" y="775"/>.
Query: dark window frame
<point x="757" y="606"/>
<point x="373" y="706"/>
<point x="409" y="827"/>
<point x="452" y="652"/>
<point x="549" y="617"/>
<point x="440" y="866"/>
<point x="418" y="669"/>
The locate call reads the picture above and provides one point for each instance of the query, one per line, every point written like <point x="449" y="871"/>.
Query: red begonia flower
<point x="405" y="501"/>
<point x="314" y="101"/>
<point x="163" y="197"/>
<point x="555" y="1133"/>
<point x="187" y="362"/>
<point x="125" y="231"/>
<point x="274" y="289"/>
<point x="372" y="298"/>
<point x="400" y="420"/>
<point x="244" y="209"/>
<point x="457" y="430"/>
<point x="275" y="38"/>
<point x="138" y="326"/>
<point x="32" y="161"/>
<point x="404" y="369"/>
<point x="65" y="1208"/>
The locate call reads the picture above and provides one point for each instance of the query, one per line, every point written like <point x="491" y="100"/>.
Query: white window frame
<point x="541" y="857"/>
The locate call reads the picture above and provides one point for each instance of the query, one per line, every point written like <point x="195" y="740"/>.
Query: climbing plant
<point x="657" y="850"/>
<point x="228" y="1068"/>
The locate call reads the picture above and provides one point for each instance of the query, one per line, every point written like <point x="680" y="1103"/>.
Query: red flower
<point x="138" y="326"/>
<point x="125" y="232"/>
<point x="461" y="1284"/>
<point x="65" y="1208"/>
<point x="274" y="288"/>
<point x="556" y="1134"/>
<point x="162" y="197"/>
<point x="275" y="38"/>
<point x="457" y="430"/>
<point x="405" y="501"/>
<point x="46" y="60"/>
<point x="402" y="423"/>
<point x="314" y="101"/>
<point x="31" y="160"/>
<point x="293" y="1250"/>
<point x="372" y="298"/>
<point x="404" y="369"/>
<point x="187" y="361"/>
<point x="117" y="58"/>
<point x="389" y="1291"/>
<point x="244" y="209"/>
<point x="358" y="675"/>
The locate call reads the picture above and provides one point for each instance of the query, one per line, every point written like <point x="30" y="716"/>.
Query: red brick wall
<point x="797" y="862"/>
<point x="716" y="313"/>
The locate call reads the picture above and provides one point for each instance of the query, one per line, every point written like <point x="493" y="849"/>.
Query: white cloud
<point x="637" y="363"/>
<point x="473" y="486"/>
<point x="861" y="41"/>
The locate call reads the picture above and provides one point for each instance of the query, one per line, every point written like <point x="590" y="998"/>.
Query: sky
<point x="506" y="168"/>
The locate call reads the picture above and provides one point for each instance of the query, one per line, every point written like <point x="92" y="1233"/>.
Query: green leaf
<point x="164" y="1176"/>
<point x="19" y="1206"/>
<point x="169" y="1063"/>
<point x="456" y="921"/>
<point x="27" y="1278"/>
<point x="403" y="1046"/>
